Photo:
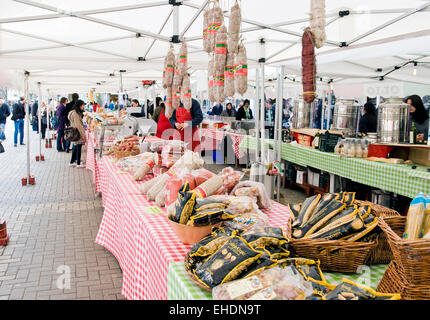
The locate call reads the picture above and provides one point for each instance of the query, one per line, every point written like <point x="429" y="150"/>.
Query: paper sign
<point x="153" y="210"/>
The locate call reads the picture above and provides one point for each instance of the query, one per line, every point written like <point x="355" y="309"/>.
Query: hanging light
<point x="415" y="68"/>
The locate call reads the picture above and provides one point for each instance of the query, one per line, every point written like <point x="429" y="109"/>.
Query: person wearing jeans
<point x="4" y="113"/>
<point x="18" y="115"/>
<point x="61" y="116"/>
<point x="75" y="118"/>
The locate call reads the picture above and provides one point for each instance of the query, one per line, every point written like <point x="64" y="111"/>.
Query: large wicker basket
<point x="381" y="253"/>
<point x="334" y="255"/>
<point x="412" y="256"/>
<point x="394" y="281"/>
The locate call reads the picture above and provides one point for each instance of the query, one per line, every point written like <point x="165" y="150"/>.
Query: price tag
<point x="153" y="210"/>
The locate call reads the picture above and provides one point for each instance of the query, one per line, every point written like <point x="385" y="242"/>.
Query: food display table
<point x="398" y="178"/>
<point x="181" y="287"/>
<point x="213" y="137"/>
<point x="91" y="160"/>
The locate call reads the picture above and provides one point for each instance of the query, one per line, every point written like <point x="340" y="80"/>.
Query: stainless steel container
<point x="393" y="121"/>
<point x="301" y="114"/>
<point x="346" y="116"/>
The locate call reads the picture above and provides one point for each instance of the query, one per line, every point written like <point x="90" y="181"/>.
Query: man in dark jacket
<point x="34" y="118"/>
<point x="4" y="113"/>
<point x="18" y="115"/>
<point x="69" y="107"/>
<point x="60" y="114"/>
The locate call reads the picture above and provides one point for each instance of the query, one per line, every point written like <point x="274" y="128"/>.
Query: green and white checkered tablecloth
<point x="181" y="287"/>
<point x="400" y="179"/>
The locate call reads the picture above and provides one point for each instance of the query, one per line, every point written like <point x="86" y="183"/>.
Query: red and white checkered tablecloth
<point x="144" y="243"/>
<point x="237" y="139"/>
<point x="212" y="138"/>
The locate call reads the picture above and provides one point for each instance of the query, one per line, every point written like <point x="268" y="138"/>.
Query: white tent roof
<point x="76" y="45"/>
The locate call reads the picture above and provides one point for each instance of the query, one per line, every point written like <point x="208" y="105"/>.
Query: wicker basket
<point x="412" y="256"/>
<point x="381" y="254"/>
<point x="341" y="256"/>
<point x="188" y="262"/>
<point x="394" y="281"/>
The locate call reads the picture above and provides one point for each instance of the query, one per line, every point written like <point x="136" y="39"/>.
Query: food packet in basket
<point x="271" y="284"/>
<point x="253" y="189"/>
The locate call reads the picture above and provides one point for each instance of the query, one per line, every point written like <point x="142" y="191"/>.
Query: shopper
<point x="69" y="108"/>
<point x="61" y="117"/>
<point x="187" y="124"/>
<point x="229" y="111"/>
<point x="4" y="113"/>
<point x="419" y="117"/>
<point x="135" y="104"/>
<point x="43" y="119"/>
<point x="75" y="118"/>
<point x="159" y="105"/>
<point x="244" y="111"/>
<point x="34" y="118"/>
<point x="369" y="120"/>
<point x="18" y="115"/>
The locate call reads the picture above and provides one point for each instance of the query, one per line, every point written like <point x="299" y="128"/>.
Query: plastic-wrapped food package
<point x="175" y="183"/>
<point x="271" y="284"/>
<point x="242" y="205"/>
<point x="230" y="179"/>
<point x="146" y="168"/>
<point x="172" y="152"/>
<point x="263" y="199"/>
<point x="201" y="175"/>
<point x="133" y="163"/>
<point x="247" y="221"/>
<point x="158" y="170"/>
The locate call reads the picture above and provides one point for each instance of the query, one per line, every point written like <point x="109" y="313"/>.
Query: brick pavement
<point x="52" y="227"/>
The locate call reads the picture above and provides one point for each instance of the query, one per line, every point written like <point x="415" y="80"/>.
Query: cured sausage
<point x="308" y="66"/>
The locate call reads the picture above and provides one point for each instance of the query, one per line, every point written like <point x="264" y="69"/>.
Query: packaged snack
<point x="295" y="209"/>
<point x="263" y="263"/>
<point x="326" y="199"/>
<point x="242" y="205"/>
<point x="227" y="263"/>
<point x="341" y="228"/>
<point x="201" y="175"/>
<point x="278" y="252"/>
<point x="306" y="210"/>
<point x="265" y="236"/>
<point x="211" y="243"/>
<point x="263" y="199"/>
<point x="364" y="211"/>
<point x="349" y="198"/>
<point x="209" y="203"/>
<point x="346" y="212"/>
<point x="184" y="205"/>
<point x="174" y="184"/>
<point x="271" y="284"/>
<point x="349" y="290"/>
<point x="230" y="179"/>
<point x="248" y="221"/>
<point x="209" y="217"/>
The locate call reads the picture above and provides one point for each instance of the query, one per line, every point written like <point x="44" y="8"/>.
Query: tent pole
<point x="386" y="24"/>
<point x="159" y="32"/>
<point x="257" y="115"/>
<point x="27" y="109"/>
<point x="39" y="105"/>
<point x="193" y="18"/>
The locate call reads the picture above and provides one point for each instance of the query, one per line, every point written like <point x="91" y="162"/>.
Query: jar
<point x="345" y="148"/>
<point x="351" y="149"/>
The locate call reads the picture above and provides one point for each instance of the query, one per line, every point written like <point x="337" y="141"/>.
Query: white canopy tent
<point x="82" y="45"/>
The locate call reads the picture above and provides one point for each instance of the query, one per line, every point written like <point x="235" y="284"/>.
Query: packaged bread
<point x="306" y="210"/>
<point x="349" y="290"/>
<point x="272" y="284"/>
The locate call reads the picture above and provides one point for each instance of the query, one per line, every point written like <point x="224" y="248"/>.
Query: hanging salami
<point x="317" y="22"/>
<point x="186" y="92"/>
<point x="183" y="56"/>
<point x="234" y="28"/>
<point x="219" y="88"/>
<point x="220" y="50"/>
<point x="229" y="75"/>
<point x="217" y="22"/>
<point x="206" y="41"/>
<point x="241" y="71"/>
<point x="169" y="108"/>
<point x="308" y="66"/>
<point x="211" y="92"/>
<point x="177" y="77"/>
<point x="176" y="97"/>
<point x="169" y="68"/>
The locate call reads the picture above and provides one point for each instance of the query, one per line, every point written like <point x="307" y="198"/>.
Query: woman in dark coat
<point x="369" y="120"/>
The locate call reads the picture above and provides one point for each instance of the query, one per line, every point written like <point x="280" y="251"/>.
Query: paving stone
<point x="50" y="224"/>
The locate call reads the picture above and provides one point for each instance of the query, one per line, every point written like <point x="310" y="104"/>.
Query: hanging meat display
<point x="206" y="40"/>
<point x="177" y="77"/>
<point x="169" y="108"/>
<point x="234" y="28"/>
<point x="317" y="22"/>
<point x="211" y="92"/>
<point x="241" y="71"/>
<point x="169" y="68"/>
<point x="308" y="66"/>
<point x="220" y="50"/>
<point x="217" y="22"/>
<point x="183" y="59"/>
<point x="229" y="75"/>
<point x="186" y="92"/>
